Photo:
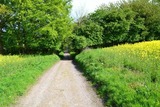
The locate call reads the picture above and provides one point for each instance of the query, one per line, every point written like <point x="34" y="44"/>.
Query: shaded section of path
<point x="61" y="86"/>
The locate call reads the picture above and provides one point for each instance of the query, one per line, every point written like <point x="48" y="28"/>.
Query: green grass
<point x="17" y="73"/>
<point x="125" y="75"/>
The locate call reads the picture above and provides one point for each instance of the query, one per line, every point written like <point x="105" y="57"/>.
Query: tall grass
<point x="17" y="73"/>
<point x="126" y="75"/>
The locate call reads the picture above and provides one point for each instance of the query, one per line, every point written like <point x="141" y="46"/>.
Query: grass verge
<point x="17" y="73"/>
<point x="125" y="75"/>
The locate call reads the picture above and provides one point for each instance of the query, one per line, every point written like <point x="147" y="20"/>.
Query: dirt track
<point x="61" y="86"/>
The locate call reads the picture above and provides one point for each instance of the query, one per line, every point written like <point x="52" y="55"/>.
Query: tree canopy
<point x="44" y="26"/>
<point x="124" y="22"/>
<point x="35" y="26"/>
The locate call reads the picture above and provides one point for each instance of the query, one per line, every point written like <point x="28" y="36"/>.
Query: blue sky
<point x="81" y="7"/>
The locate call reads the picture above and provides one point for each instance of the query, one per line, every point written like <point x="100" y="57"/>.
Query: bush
<point x="78" y="43"/>
<point x="72" y="54"/>
<point x="61" y="55"/>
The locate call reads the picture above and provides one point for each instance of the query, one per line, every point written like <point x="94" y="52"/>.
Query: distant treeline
<point x="124" y="22"/>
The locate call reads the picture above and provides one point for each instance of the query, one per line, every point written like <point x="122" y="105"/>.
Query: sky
<point x="83" y="7"/>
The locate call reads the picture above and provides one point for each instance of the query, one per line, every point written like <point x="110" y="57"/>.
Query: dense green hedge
<point x="17" y="73"/>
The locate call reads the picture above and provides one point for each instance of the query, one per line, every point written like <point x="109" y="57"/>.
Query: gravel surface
<point x="62" y="86"/>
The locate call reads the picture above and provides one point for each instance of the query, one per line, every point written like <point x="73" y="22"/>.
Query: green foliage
<point x="4" y="15"/>
<point x="116" y="25"/>
<point x="91" y="31"/>
<point x="17" y="73"/>
<point x="124" y="22"/>
<point x="146" y="18"/>
<point x="78" y="43"/>
<point x="3" y="10"/>
<point x="125" y="75"/>
<point x="61" y="55"/>
<point x="37" y="26"/>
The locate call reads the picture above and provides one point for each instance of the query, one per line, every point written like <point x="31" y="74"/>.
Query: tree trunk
<point x="1" y="45"/>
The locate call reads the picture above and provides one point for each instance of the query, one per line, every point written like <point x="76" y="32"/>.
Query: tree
<point x="4" y="14"/>
<point x="78" y="43"/>
<point x="146" y="19"/>
<point x="124" y="22"/>
<point x="37" y="25"/>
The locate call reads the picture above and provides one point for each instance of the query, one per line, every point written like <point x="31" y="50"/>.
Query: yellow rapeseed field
<point x="144" y="49"/>
<point x="143" y="56"/>
<point x="9" y="59"/>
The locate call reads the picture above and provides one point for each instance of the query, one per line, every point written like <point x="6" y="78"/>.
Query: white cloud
<point x="81" y="7"/>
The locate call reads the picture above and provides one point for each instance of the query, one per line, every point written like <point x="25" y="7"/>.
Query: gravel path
<point x="62" y="86"/>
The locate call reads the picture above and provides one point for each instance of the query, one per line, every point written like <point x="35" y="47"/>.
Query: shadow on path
<point x="67" y="56"/>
